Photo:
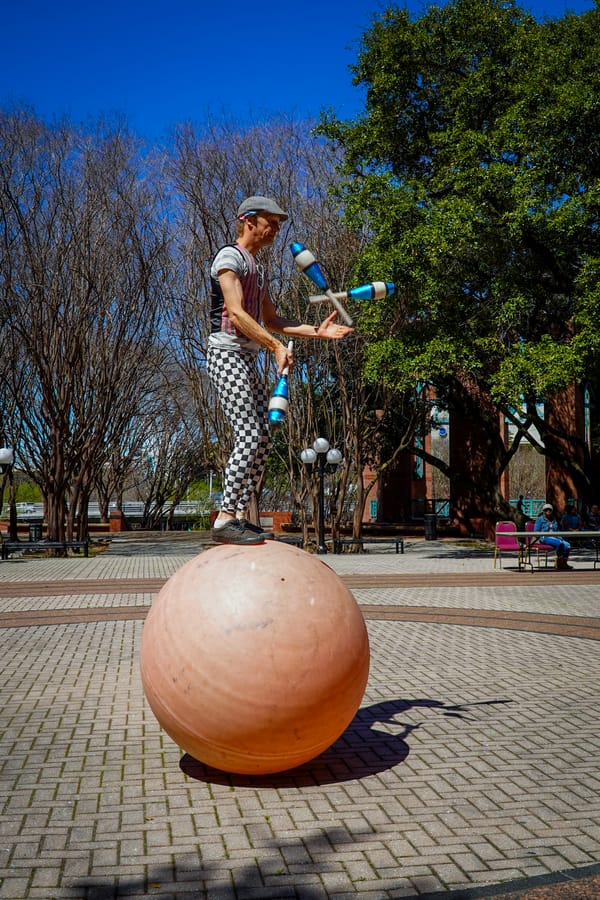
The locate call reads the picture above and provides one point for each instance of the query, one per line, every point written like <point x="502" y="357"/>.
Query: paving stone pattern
<point x="472" y="766"/>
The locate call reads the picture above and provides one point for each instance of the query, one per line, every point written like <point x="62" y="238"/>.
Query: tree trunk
<point x="478" y="457"/>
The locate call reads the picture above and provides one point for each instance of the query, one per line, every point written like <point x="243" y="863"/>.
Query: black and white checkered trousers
<point x="244" y="400"/>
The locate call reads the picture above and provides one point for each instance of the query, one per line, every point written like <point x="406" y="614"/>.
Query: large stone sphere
<point x="254" y="659"/>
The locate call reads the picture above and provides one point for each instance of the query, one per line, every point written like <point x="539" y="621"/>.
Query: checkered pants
<point x="245" y="402"/>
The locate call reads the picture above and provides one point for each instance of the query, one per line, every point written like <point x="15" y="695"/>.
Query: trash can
<point x="35" y="531"/>
<point x="430" y="527"/>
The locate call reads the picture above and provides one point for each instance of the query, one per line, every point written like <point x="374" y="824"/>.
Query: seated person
<point x="571" y="520"/>
<point x="593" y="518"/>
<point x="546" y="523"/>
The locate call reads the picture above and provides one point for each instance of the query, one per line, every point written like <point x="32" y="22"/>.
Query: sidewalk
<point x="471" y="770"/>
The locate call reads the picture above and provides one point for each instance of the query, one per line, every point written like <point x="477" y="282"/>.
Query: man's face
<point x="267" y="227"/>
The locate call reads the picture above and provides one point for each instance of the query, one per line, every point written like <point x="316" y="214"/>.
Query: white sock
<point x="220" y="523"/>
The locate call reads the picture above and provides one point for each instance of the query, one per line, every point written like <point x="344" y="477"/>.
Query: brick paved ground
<point x="471" y="770"/>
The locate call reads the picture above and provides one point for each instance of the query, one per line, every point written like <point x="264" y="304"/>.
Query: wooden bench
<point x="340" y="543"/>
<point x="9" y="547"/>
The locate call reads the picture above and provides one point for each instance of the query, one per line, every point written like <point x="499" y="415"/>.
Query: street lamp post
<point x="323" y="455"/>
<point x="7" y="458"/>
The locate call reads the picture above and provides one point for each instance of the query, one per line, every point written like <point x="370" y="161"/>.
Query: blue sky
<point x="161" y="63"/>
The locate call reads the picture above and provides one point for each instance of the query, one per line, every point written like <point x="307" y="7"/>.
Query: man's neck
<point x="249" y="242"/>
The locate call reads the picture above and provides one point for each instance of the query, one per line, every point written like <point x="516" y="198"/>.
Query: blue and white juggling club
<point x="376" y="290"/>
<point x="279" y="402"/>
<point x="308" y="265"/>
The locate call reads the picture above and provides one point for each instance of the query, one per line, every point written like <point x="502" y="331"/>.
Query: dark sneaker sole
<point x="248" y="526"/>
<point x="267" y="535"/>
<point x="228" y="538"/>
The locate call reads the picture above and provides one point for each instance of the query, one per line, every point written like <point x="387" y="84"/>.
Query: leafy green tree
<point x="476" y="169"/>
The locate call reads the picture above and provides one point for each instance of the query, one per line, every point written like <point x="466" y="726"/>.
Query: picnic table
<point x="531" y="538"/>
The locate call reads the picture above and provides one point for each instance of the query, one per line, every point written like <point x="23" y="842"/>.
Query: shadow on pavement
<point x="267" y="877"/>
<point x="362" y="750"/>
<point x="189" y="879"/>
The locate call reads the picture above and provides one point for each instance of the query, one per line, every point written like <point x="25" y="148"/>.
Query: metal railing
<point x="532" y="507"/>
<point x="131" y="508"/>
<point x="424" y="506"/>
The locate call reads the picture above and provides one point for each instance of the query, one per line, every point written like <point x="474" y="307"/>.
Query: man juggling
<point x="243" y="319"/>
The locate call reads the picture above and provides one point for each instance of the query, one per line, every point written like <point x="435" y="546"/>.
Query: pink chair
<point x="537" y="546"/>
<point x="506" y="542"/>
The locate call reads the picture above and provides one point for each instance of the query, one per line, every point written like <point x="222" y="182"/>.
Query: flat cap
<point x="260" y="204"/>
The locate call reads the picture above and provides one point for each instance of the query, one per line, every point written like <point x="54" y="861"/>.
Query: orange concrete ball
<point x="254" y="659"/>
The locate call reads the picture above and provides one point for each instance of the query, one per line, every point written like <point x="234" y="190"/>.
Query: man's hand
<point x="283" y="358"/>
<point x="328" y="329"/>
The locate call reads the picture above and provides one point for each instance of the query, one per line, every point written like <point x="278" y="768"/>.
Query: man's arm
<point x="328" y="329"/>
<point x="233" y="296"/>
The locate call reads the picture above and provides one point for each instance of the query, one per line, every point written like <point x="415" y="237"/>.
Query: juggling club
<point x="376" y="290"/>
<point x="279" y="402"/>
<point x="309" y="266"/>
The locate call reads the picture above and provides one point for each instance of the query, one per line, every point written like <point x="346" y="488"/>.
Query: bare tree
<point x="84" y="263"/>
<point x="213" y="170"/>
<point x="172" y="451"/>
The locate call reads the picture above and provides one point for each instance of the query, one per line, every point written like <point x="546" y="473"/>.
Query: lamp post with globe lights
<point x="325" y="456"/>
<point x="7" y="459"/>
